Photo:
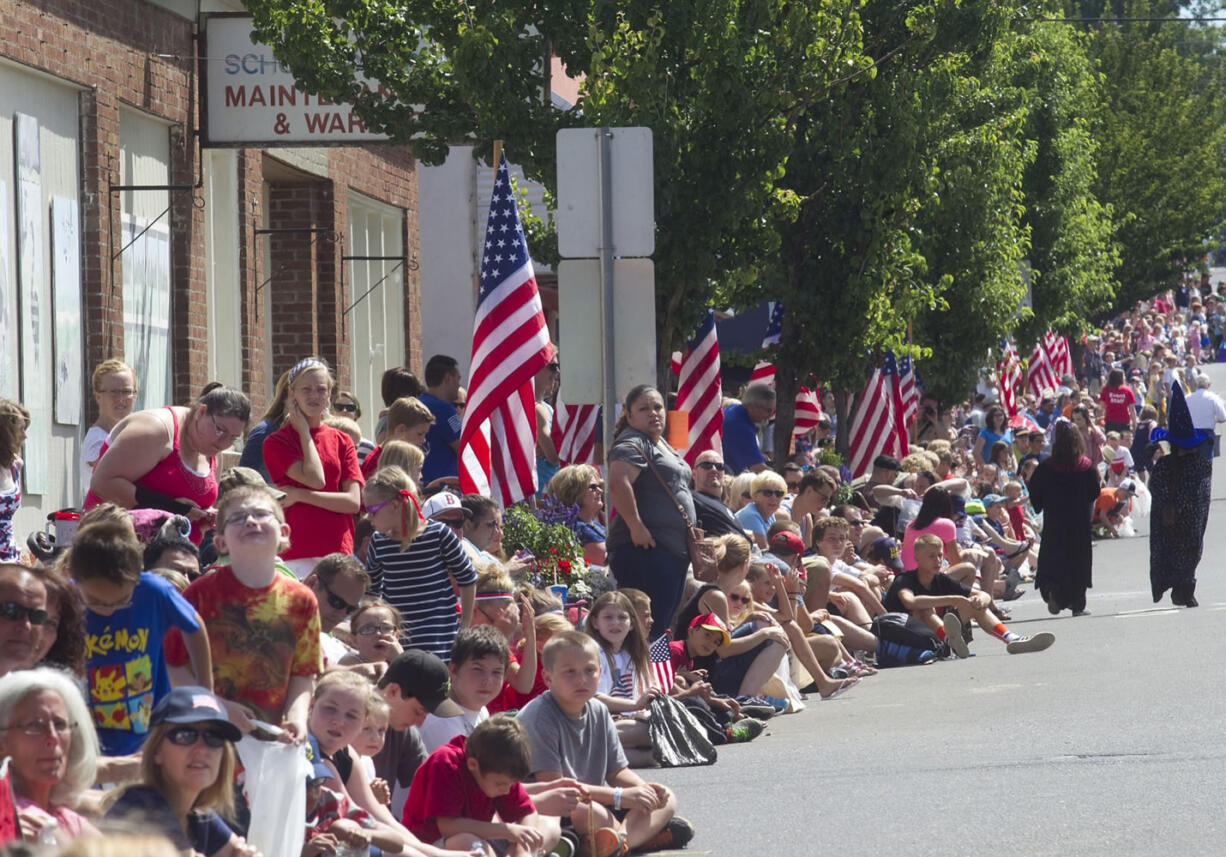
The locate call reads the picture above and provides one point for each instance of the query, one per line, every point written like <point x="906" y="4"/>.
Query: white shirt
<point x="1206" y="409"/>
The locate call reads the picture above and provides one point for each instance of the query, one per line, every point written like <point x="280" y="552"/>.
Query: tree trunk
<point x="786" y="385"/>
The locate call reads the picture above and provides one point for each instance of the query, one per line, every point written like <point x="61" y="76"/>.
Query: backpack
<point x="903" y="640"/>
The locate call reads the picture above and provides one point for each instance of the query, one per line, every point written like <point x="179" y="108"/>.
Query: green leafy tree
<point x="1161" y="129"/>
<point x="719" y="82"/>
<point x="885" y="156"/>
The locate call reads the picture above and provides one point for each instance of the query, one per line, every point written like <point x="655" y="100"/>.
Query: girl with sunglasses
<point x="413" y="562"/>
<point x="187" y="776"/>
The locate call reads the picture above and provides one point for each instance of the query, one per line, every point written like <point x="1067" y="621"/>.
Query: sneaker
<point x="744" y="730"/>
<point x="568" y="845"/>
<point x="1033" y="643"/>
<point x="758" y="712"/>
<point x="953" y="635"/>
<point x="607" y="842"/>
<point x="676" y="834"/>
<point x="780" y="705"/>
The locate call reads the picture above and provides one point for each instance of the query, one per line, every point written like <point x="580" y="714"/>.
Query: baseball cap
<point x="237" y="476"/>
<point x="319" y="771"/>
<point x="194" y="704"/>
<point x="993" y="498"/>
<point x="423" y="676"/>
<point x="787" y="542"/>
<point x="885" y="551"/>
<point x="1129" y="486"/>
<point x="711" y="622"/>
<point x="443" y="501"/>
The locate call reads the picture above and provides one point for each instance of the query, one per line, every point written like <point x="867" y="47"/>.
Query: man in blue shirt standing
<point x="740" y="431"/>
<point x="442" y="387"/>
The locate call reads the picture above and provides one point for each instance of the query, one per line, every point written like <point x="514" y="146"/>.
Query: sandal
<point x="859" y="668"/>
<point x="844" y="686"/>
<point x="1013" y="594"/>
<point x="1025" y="547"/>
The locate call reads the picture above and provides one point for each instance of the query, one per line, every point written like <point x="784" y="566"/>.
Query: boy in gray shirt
<point x="573" y="736"/>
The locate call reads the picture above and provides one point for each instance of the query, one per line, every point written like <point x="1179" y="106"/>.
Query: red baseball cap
<point x="711" y="622"/>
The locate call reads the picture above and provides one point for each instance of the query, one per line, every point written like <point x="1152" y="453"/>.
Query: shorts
<point x="728" y="673"/>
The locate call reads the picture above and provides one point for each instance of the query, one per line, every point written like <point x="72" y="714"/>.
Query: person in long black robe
<point x="1180" y="487"/>
<point x="1065" y="495"/>
<point x="1180" y="483"/>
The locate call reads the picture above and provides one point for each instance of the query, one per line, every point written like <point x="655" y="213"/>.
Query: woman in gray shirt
<point x="646" y="541"/>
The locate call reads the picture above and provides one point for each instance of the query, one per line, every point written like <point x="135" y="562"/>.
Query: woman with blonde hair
<point x="766" y="492"/>
<point x="580" y="485"/>
<point x="115" y="388"/>
<point x="407" y="456"/>
<point x="187" y="775"/>
<point x="317" y="468"/>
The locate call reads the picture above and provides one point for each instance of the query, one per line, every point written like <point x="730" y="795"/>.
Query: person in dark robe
<point x="1179" y="483"/>
<point x="1064" y="487"/>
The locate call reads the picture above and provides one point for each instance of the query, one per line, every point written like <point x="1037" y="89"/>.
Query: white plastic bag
<point x="275" y="786"/>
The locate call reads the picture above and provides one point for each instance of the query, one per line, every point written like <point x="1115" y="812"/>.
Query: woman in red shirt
<point x="1119" y="403"/>
<point x="317" y="467"/>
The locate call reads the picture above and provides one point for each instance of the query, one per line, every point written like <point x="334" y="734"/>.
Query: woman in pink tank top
<point x="166" y="458"/>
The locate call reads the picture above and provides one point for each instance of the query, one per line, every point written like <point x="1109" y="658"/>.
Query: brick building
<point x="192" y="262"/>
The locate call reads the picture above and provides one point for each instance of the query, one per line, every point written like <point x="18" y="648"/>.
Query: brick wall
<point x="113" y="49"/>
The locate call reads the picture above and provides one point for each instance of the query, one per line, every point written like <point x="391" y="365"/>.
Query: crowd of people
<point x="338" y="594"/>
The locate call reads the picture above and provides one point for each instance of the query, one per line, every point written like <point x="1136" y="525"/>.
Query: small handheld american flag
<point x="661" y="664"/>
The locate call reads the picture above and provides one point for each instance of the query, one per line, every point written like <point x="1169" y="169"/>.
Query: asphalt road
<point x="1110" y="742"/>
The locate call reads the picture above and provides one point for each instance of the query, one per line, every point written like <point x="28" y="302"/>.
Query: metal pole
<point x="605" y="171"/>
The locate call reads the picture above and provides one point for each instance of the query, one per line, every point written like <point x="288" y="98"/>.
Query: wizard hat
<point x="1180" y="430"/>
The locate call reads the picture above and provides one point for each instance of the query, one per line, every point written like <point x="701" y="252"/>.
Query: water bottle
<point x="47" y="839"/>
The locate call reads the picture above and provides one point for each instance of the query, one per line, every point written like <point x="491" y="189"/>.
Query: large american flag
<point x="1058" y="354"/>
<point x="908" y="386"/>
<point x="661" y="664"/>
<point x="1040" y="378"/>
<point x="764" y="371"/>
<point x="574" y="432"/>
<point x="698" y="390"/>
<point x="510" y="345"/>
<point x="877" y="426"/>
<point x="1008" y="376"/>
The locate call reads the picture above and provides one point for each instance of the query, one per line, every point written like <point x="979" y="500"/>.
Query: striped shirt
<point x="417" y="582"/>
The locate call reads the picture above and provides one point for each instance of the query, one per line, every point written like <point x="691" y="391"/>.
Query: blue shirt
<point x="751" y="519"/>
<point x="990" y="437"/>
<point x="124" y="661"/>
<point x="441" y="459"/>
<point x="740" y="437"/>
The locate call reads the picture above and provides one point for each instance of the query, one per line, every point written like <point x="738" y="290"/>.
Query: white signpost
<point x="605" y="217"/>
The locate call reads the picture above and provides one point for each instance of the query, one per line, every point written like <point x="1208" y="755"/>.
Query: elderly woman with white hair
<point x="47" y="733"/>
<point x="766" y="494"/>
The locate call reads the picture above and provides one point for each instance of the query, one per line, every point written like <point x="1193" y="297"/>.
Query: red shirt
<point x="260" y="638"/>
<point x="443" y="787"/>
<point x="314" y="531"/>
<point x="510" y="698"/>
<point x="679" y="656"/>
<point x="1117" y="403"/>
<point x="371" y="463"/>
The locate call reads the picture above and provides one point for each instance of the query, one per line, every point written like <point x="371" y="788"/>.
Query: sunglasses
<point x="771" y="492"/>
<point x="739" y="599"/>
<point x="335" y="601"/>
<point x="373" y="630"/>
<point x="712" y="465"/>
<point x="185" y="736"/>
<point x="15" y="612"/>
<point x="346" y="408"/>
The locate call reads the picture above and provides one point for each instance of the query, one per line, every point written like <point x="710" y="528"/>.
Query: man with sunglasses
<point x="339" y="582"/>
<point x="23" y="612"/>
<point x="714" y="518"/>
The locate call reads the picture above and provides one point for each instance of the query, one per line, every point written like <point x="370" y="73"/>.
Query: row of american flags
<point x="497" y="455"/>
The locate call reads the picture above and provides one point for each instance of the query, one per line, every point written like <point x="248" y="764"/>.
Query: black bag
<point x="677" y="739"/>
<point x="715" y="722"/>
<point x="902" y="640"/>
